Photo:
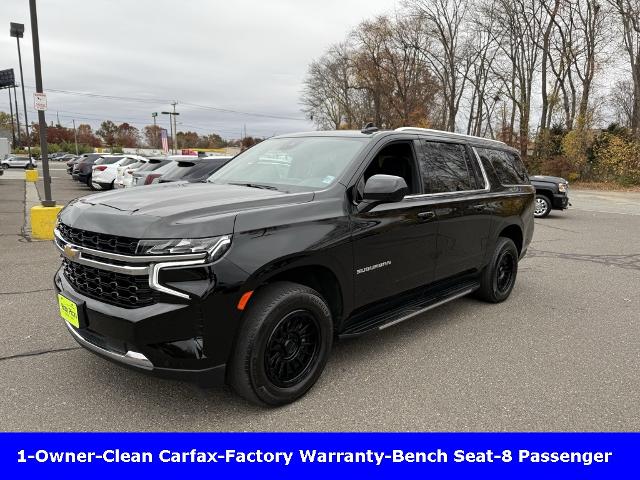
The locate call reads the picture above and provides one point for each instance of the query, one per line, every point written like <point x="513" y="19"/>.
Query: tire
<point x="5" y="166"/>
<point x="495" y="287"/>
<point x="282" y="309"/>
<point x="542" y="206"/>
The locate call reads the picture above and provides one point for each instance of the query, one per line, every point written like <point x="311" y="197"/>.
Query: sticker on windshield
<point x="328" y="179"/>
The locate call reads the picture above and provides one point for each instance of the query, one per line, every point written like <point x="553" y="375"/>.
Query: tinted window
<point x="204" y="169"/>
<point x="153" y="164"/>
<point x="446" y="168"/>
<point x="507" y="165"/>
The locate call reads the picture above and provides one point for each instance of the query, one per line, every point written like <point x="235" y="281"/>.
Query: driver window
<point x="394" y="159"/>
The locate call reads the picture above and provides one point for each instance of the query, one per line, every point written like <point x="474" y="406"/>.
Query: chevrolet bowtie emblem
<point x="70" y="252"/>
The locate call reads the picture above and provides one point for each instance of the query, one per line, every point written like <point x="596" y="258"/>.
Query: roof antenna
<point x="369" y="128"/>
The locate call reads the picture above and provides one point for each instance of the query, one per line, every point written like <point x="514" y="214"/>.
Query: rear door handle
<point x="480" y="207"/>
<point x="426" y="216"/>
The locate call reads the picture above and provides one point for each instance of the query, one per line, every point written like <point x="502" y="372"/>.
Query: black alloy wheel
<point x="499" y="276"/>
<point x="505" y="273"/>
<point x="292" y="348"/>
<point x="283" y="344"/>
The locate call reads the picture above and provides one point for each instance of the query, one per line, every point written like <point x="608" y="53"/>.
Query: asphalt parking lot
<point x="561" y="354"/>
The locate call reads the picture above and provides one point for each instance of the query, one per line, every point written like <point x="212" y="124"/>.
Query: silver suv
<point x="18" y="162"/>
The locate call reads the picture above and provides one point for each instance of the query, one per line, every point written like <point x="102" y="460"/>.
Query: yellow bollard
<point x="31" y="175"/>
<point x="43" y="220"/>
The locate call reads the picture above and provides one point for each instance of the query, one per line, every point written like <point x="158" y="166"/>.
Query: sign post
<point x="40" y="101"/>
<point x="43" y="217"/>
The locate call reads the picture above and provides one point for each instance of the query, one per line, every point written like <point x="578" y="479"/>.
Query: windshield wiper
<point x="255" y="185"/>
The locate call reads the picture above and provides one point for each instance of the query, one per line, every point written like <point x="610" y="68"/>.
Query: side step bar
<point x="416" y="307"/>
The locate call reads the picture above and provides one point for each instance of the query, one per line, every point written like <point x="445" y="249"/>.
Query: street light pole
<point x="17" y="30"/>
<point x="75" y="135"/>
<point x="15" y="100"/>
<point x="173" y="126"/>
<point x="170" y="129"/>
<point x="48" y="201"/>
<point x="13" y="131"/>
<point x="155" y="131"/>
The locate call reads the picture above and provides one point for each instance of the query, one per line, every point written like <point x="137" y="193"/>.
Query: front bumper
<point x="560" y="201"/>
<point x="161" y="339"/>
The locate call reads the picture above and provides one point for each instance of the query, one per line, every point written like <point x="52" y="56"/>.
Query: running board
<point x="411" y="309"/>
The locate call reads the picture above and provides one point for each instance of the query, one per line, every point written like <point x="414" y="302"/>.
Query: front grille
<point x="98" y="241"/>
<point x="130" y="291"/>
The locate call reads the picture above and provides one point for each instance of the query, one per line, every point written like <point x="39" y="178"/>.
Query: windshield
<point x="291" y="164"/>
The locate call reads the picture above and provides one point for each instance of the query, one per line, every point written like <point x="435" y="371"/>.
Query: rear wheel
<point x="499" y="277"/>
<point x="542" y="206"/>
<point x="283" y="344"/>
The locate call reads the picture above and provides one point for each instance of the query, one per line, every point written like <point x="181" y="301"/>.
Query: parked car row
<point x="106" y="171"/>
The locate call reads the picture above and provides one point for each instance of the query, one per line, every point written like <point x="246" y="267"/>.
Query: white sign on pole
<point x="40" y="101"/>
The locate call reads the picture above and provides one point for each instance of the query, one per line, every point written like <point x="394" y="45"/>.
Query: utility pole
<point x="173" y="126"/>
<point x="48" y="201"/>
<point x="15" y="101"/>
<point x="155" y="130"/>
<point x="75" y="135"/>
<point x="17" y="30"/>
<point x="13" y="131"/>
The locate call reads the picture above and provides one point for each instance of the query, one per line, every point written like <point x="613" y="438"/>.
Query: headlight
<point x="562" y="187"/>
<point x="215" y="247"/>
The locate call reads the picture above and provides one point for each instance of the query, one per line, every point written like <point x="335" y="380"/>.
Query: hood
<point x="171" y="210"/>
<point x="546" y="178"/>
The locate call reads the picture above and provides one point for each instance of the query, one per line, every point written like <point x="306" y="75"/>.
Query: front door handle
<point x="426" y="216"/>
<point x="480" y="207"/>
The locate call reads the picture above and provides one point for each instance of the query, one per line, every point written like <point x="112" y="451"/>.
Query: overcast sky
<point x="243" y="55"/>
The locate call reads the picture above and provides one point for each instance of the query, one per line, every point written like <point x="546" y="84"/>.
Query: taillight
<point x="150" y="178"/>
<point x="100" y="168"/>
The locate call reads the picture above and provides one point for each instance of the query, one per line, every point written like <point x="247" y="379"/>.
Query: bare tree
<point x="522" y="24"/>
<point x="326" y="93"/>
<point x="449" y="58"/>
<point x="622" y="99"/>
<point x="483" y="53"/>
<point x="629" y="14"/>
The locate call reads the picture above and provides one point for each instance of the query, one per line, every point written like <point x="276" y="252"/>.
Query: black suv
<point x="304" y="238"/>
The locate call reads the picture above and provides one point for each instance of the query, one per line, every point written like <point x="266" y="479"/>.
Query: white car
<point x="18" y="162"/>
<point x="105" y="170"/>
<point x="124" y="174"/>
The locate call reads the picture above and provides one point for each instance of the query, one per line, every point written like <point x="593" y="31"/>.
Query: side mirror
<point x="382" y="189"/>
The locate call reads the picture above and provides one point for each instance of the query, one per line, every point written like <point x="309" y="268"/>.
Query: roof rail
<point x="461" y="135"/>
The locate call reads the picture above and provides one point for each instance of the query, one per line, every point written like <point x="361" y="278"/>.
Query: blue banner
<point x="374" y="455"/>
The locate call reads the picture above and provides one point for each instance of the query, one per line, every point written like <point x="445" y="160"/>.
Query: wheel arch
<point x="513" y="232"/>
<point x="544" y="191"/>
<point x="320" y="278"/>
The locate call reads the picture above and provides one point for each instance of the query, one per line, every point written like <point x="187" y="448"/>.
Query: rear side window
<point x="446" y="167"/>
<point x="508" y="166"/>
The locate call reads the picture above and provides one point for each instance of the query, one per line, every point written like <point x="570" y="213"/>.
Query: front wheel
<point x="5" y="166"/>
<point x="542" y="207"/>
<point x="499" y="277"/>
<point x="283" y="344"/>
